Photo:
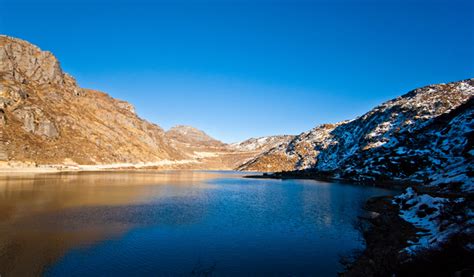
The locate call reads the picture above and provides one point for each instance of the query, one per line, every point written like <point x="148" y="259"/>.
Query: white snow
<point x="255" y="144"/>
<point x="381" y="129"/>
<point x="433" y="235"/>
<point x="375" y="144"/>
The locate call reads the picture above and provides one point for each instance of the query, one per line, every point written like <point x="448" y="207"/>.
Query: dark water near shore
<point x="175" y="223"/>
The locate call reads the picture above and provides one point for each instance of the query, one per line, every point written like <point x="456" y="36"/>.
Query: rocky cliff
<point x="45" y="117"/>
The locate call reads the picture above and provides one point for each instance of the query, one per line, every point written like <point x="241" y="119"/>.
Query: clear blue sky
<point x="239" y="69"/>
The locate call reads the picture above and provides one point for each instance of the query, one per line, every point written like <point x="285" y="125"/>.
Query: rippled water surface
<point x="175" y="223"/>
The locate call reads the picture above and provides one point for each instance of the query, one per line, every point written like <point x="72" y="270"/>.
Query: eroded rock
<point x="48" y="129"/>
<point x="126" y="106"/>
<point x="23" y="63"/>
<point x="34" y="121"/>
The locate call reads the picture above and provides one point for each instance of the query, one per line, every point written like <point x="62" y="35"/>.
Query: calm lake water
<point x="175" y="223"/>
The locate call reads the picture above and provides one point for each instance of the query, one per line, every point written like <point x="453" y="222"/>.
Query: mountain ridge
<point x="48" y="118"/>
<point x="349" y="149"/>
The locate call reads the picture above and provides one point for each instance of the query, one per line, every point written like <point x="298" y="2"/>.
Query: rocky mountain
<point x="192" y="137"/>
<point x="295" y="152"/>
<point x="46" y="117"/>
<point x="411" y="138"/>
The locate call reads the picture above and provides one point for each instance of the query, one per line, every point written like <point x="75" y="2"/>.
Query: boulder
<point x="126" y="106"/>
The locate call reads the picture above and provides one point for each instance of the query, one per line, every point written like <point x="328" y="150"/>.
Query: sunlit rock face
<point x="47" y="118"/>
<point x="421" y="136"/>
<point x="297" y="152"/>
<point x="22" y="62"/>
<point x="261" y="144"/>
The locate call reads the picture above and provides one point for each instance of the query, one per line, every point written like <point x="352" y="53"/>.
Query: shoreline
<point x="53" y="168"/>
<point x="386" y="234"/>
<point x="285" y="176"/>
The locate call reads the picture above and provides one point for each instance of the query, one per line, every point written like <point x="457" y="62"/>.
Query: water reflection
<point x="155" y="223"/>
<point x="43" y="215"/>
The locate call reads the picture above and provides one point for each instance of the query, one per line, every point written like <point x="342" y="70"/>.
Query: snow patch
<point x="426" y="212"/>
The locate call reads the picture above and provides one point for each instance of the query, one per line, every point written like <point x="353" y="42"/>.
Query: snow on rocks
<point x="408" y="138"/>
<point x="439" y="219"/>
<point x="261" y="143"/>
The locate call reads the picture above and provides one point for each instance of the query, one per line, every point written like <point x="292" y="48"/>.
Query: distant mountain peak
<point x="191" y="135"/>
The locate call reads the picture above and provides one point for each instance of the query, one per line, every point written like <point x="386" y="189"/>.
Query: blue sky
<point x="240" y="69"/>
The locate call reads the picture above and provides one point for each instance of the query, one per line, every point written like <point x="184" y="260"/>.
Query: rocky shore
<point x="315" y="175"/>
<point x="386" y="237"/>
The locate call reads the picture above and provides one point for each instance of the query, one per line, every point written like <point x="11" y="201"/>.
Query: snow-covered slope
<point x="299" y="152"/>
<point x="439" y="218"/>
<point x="261" y="143"/>
<point x="423" y="136"/>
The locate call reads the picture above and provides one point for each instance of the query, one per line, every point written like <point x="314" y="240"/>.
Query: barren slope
<point x="46" y="118"/>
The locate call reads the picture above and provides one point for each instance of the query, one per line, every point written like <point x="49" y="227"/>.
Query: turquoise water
<point x="186" y="223"/>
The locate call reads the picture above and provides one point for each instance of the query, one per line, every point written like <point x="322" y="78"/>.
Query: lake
<point x="177" y="223"/>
